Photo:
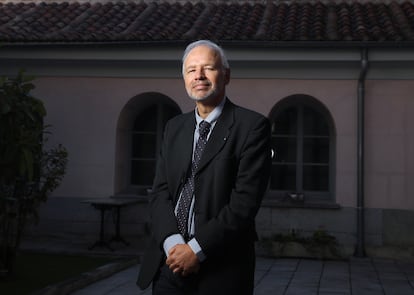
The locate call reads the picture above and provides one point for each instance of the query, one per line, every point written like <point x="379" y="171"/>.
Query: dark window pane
<point x="146" y="138"/>
<point x="147" y="120"/>
<point x="284" y="149"/>
<point x="143" y="145"/>
<point x="314" y="123"/>
<point x="286" y="123"/>
<point x="316" y="150"/>
<point x="316" y="178"/>
<point x="283" y="177"/>
<point x="142" y="172"/>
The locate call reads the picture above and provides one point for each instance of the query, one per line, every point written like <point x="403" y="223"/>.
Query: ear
<point x="227" y="76"/>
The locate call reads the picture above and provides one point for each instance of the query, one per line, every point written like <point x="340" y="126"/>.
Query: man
<point x="220" y="173"/>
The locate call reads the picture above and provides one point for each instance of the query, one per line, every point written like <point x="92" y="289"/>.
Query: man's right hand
<point x="182" y="260"/>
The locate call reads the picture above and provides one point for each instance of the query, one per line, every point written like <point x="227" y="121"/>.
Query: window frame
<point x="124" y="139"/>
<point x="299" y="102"/>
<point x="163" y="108"/>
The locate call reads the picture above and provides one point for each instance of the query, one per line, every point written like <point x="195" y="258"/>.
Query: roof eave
<point x="224" y="43"/>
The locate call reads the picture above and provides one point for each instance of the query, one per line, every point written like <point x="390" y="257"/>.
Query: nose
<point x="200" y="74"/>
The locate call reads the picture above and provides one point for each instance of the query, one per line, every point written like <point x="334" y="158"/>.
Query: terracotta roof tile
<point x="157" y="21"/>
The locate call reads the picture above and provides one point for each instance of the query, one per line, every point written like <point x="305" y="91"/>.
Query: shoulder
<point x="181" y="119"/>
<point x="249" y="113"/>
<point x="180" y="124"/>
<point x="244" y="115"/>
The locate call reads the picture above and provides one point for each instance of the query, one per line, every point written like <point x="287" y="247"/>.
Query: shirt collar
<point x="213" y="116"/>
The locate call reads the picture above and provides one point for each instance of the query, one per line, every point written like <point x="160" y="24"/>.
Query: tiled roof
<point x="245" y="21"/>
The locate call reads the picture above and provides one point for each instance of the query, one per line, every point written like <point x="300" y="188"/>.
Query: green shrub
<point x="28" y="172"/>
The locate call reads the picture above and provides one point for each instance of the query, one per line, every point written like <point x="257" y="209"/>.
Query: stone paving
<point x="285" y="276"/>
<point x="294" y="276"/>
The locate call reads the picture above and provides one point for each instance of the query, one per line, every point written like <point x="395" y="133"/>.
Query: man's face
<point x="205" y="77"/>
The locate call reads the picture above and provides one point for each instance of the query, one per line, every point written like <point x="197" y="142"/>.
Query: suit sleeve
<point x="235" y="221"/>
<point x="163" y="221"/>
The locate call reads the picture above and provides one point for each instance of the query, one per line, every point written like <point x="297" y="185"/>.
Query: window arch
<point x="303" y="143"/>
<point x="140" y="128"/>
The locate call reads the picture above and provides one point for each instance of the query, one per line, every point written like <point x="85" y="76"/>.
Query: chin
<point x="203" y="98"/>
<point x="206" y="97"/>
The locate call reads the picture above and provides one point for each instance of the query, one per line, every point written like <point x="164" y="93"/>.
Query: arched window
<point x="303" y="140"/>
<point x="139" y="134"/>
<point x="146" y="141"/>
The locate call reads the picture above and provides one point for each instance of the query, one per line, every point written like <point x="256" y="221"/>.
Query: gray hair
<point x="209" y="44"/>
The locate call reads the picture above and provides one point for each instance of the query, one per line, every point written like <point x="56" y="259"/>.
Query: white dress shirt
<point x="175" y="239"/>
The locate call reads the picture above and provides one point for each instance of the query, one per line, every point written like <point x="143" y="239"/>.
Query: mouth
<point x="201" y="86"/>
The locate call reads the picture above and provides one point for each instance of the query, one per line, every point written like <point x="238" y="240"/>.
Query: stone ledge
<point x="72" y="284"/>
<point x="306" y="205"/>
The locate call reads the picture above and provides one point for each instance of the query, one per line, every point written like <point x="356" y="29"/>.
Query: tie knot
<point x="204" y="129"/>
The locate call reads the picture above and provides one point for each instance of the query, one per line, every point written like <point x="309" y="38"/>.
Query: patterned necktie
<point x="188" y="189"/>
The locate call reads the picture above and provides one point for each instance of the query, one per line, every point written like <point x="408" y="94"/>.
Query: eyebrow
<point x="202" y="65"/>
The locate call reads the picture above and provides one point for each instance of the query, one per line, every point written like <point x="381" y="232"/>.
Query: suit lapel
<point x="219" y="135"/>
<point x="185" y="146"/>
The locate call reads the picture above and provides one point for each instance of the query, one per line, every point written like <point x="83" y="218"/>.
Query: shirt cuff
<point x="195" y="246"/>
<point x="171" y="241"/>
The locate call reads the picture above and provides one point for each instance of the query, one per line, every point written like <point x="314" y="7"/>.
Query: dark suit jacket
<point x="229" y="185"/>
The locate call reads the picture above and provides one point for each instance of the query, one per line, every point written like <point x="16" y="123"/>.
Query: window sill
<point x="306" y="205"/>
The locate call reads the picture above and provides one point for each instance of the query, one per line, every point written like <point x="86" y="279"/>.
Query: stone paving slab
<point x="295" y="277"/>
<point x="279" y="276"/>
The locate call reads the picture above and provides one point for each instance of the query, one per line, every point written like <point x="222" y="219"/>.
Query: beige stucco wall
<point x="339" y="97"/>
<point x="84" y="113"/>
<point x="390" y="144"/>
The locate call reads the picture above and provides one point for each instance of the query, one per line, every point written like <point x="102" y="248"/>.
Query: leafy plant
<point x="291" y="236"/>
<point x="28" y="172"/>
<point x="321" y="239"/>
<point x="316" y="244"/>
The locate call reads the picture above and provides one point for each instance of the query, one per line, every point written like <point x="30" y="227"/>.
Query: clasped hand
<point x="182" y="260"/>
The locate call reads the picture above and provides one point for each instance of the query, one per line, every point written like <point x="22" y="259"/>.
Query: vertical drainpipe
<point x="360" y="247"/>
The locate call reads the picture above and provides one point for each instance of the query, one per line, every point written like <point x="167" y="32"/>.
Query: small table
<point x="108" y="204"/>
